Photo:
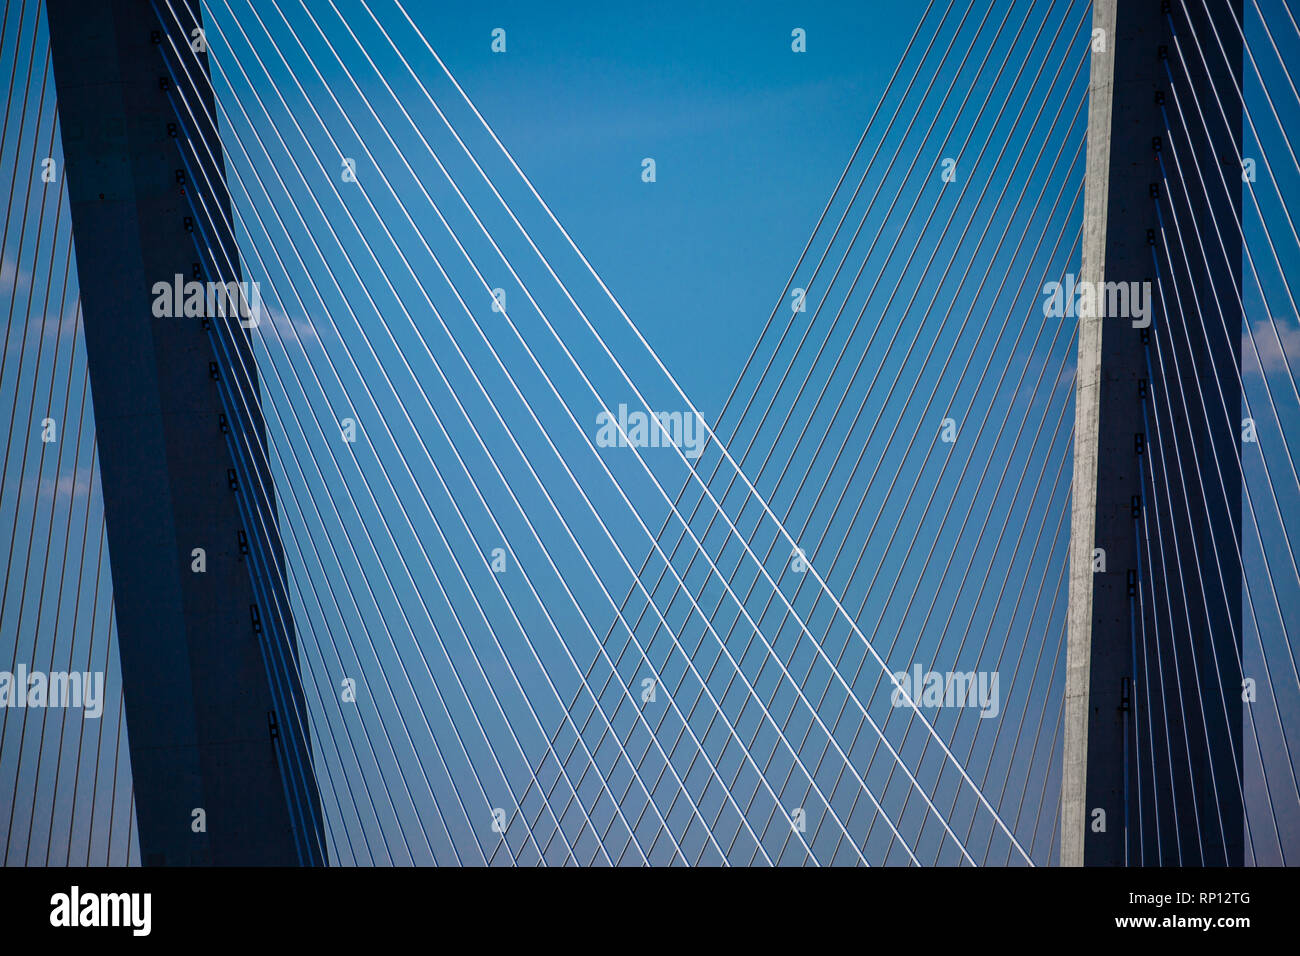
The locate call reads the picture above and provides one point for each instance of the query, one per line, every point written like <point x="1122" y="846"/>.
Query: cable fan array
<point x="830" y="632"/>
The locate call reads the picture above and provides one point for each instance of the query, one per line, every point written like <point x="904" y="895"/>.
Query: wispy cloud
<point x="299" y="328"/>
<point x="12" y="278"/>
<point x="1278" y="344"/>
<point x="76" y="484"/>
<point x="64" y="326"/>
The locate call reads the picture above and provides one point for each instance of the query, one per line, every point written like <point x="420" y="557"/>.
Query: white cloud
<point x="286" y="327"/>
<point x="77" y="484"/>
<point x="12" y="277"/>
<point x="1274" y="355"/>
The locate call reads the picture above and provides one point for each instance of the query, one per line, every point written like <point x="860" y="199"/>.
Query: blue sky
<point x="472" y="684"/>
<point x="748" y="138"/>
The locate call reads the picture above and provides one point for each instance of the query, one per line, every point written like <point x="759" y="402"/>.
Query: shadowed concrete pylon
<point x="220" y="756"/>
<point x="1152" y="751"/>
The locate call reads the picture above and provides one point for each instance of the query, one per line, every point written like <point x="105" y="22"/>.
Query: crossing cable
<point x="292" y="369"/>
<point x="659" y="364"/>
<point x="480" y="276"/>
<point x="843" y="446"/>
<point x="966" y="517"/>
<point x="916" y="482"/>
<point x="618" y="809"/>
<point x="1011" y="685"/>
<point x="544" y="435"/>
<point x="804" y="432"/>
<point x="1038" y="732"/>
<point x="437" y="691"/>
<point x="830" y="243"/>
<point x="602" y="523"/>
<point x="1054" y="748"/>
<point x="1014" y="614"/>
<point x="979" y="654"/>
<point x="808" y="326"/>
<point x="934" y="33"/>
<point x="961" y="531"/>
<point x="267" y="533"/>
<point x="508" y="266"/>
<point x="820" y="397"/>
<point x="866" y="598"/>
<point x="611" y="357"/>
<point x="871" y="481"/>
<point x="490" y="515"/>
<point x="623" y="373"/>
<point x="811" y="322"/>
<point x="1042" y="712"/>
<point x="902" y="229"/>
<point x="862" y="407"/>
